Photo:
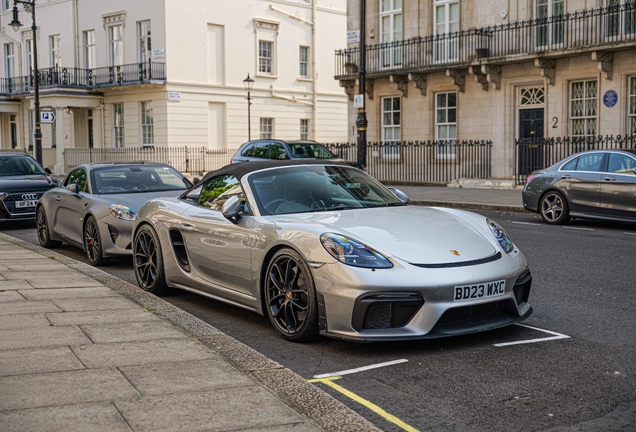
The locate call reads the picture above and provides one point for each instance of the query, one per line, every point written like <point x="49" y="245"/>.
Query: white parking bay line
<point x="360" y="369"/>
<point x="525" y="223"/>
<point x="580" y="229"/>
<point x="556" y="336"/>
<point x="628" y="233"/>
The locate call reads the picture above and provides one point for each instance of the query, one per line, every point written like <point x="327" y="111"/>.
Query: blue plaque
<point x="610" y="98"/>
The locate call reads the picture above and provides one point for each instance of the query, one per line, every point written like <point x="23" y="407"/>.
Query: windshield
<point x="19" y="165"/>
<point x="136" y="179"/>
<point x="309" y="151"/>
<point x="317" y="188"/>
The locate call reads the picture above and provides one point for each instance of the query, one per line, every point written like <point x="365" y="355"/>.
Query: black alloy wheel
<point x="554" y="208"/>
<point x="148" y="261"/>
<point x="290" y="297"/>
<point x="93" y="243"/>
<point x="44" y="237"/>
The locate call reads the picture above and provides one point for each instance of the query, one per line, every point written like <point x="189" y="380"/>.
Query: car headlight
<point x="352" y="252"/>
<point x="122" y="212"/>
<point x="501" y="235"/>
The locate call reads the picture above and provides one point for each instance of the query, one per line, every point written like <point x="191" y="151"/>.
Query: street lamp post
<point x="249" y="83"/>
<point x="29" y="6"/>
<point x="361" y="121"/>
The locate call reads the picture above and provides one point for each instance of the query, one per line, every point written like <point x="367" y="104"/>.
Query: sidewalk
<point x="81" y="350"/>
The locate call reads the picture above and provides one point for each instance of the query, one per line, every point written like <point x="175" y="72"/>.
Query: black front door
<point x="530" y="148"/>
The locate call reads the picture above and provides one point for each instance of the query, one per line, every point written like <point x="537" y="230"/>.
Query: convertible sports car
<point x="323" y="248"/>
<point x="96" y="207"/>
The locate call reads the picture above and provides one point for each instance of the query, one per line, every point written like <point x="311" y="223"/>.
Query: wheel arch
<point x="263" y="272"/>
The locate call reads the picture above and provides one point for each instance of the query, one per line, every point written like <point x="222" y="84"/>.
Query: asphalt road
<point x="575" y="370"/>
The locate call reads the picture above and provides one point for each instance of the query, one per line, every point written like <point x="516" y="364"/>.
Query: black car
<point x="22" y="182"/>
<point x="596" y="184"/>
<point x="285" y="150"/>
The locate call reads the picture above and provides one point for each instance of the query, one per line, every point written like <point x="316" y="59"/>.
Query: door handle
<point x="187" y="227"/>
<point x="566" y="177"/>
<point x="57" y="198"/>
<point x="610" y="179"/>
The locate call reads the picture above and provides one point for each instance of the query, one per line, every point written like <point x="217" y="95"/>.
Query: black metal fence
<point x="577" y="30"/>
<point x="86" y="78"/>
<point x="537" y="153"/>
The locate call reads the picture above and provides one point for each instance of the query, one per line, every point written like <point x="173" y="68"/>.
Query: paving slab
<point x="37" y="264"/>
<point x="21" y="255"/>
<point x="27" y="307"/>
<point x="61" y="388"/>
<point x="60" y="293"/>
<point x="42" y="337"/>
<point x="11" y="296"/>
<point x="219" y="410"/>
<point x="95" y="304"/>
<point x="101" y="317"/>
<point x="35" y="274"/>
<point x="93" y="417"/>
<point x="139" y="353"/>
<point x="13" y="285"/>
<point x="10" y="322"/>
<point x="61" y="283"/>
<point x="181" y="377"/>
<point x="38" y="360"/>
<point x="131" y="331"/>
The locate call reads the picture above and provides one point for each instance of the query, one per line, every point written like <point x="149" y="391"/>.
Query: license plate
<point x="27" y="203"/>
<point x="480" y="290"/>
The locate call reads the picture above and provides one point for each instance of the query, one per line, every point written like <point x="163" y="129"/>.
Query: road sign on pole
<point x="47" y="117"/>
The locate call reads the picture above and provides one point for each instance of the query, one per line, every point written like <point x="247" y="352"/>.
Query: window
<point x="267" y="125"/>
<point x="621" y="164"/>
<point x="446" y="124"/>
<point x="78" y="177"/>
<point x="446" y="25"/>
<point x="265" y="57"/>
<point x="590" y="162"/>
<point x="631" y="114"/>
<point x="277" y="151"/>
<point x="216" y="191"/>
<point x="304" y="129"/>
<point x="145" y="46"/>
<point x="620" y="18"/>
<point x="29" y="55"/>
<point x="304" y="62"/>
<point x="147" y="124"/>
<point x="116" y="43"/>
<point x="549" y="16"/>
<point x="88" y="38"/>
<point x="6" y="5"/>
<point x="118" y="125"/>
<point x="583" y="108"/>
<point x="391" y="31"/>
<point x="391" y="126"/>
<point x="56" y="53"/>
<point x="9" y="60"/>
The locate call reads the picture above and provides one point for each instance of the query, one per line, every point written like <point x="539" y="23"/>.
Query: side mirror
<point x="231" y="209"/>
<point x="282" y="157"/>
<point x="196" y="181"/>
<point x="48" y="171"/>
<point x="73" y="188"/>
<point x="399" y="194"/>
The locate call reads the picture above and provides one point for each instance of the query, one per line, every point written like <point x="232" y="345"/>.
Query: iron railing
<point x="583" y="29"/>
<point x="135" y="73"/>
<point x="537" y="153"/>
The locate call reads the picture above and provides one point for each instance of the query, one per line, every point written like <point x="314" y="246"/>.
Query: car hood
<point x="419" y="235"/>
<point x="26" y="183"/>
<point x="136" y="200"/>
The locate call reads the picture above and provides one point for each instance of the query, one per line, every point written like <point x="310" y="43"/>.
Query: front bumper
<point x="116" y="236"/>
<point x="407" y="302"/>
<point x="10" y="212"/>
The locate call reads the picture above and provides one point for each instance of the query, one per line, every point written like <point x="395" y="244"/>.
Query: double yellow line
<point x="376" y="409"/>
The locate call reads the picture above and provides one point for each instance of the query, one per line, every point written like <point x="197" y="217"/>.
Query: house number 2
<point x="556" y="122"/>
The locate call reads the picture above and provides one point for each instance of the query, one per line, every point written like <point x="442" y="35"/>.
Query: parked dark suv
<point x="284" y="150"/>
<point x="22" y="183"/>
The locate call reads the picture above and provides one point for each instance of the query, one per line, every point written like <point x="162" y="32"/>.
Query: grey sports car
<point x="323" y="248"/>
<point x="96" y="207"/>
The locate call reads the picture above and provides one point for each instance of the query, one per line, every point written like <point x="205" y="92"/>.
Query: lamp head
<point x="15" y="23"/>
<point x="248" y="82"/>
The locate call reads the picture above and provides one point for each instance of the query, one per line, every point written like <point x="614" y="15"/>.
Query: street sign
<point x="174" y="96"/>
<point x="353" y="36"/>
<point x="47" y="117"/>
<point x="358" y="101"/>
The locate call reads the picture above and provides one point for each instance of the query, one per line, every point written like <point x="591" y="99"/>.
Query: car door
<point x="69" y="207"/>
<point x="618" y="186"/>
<point x="219" y="250"/>
<point x="582" y="183"/>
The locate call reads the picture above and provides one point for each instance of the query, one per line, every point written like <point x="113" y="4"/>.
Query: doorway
<point x="530" y="144"/>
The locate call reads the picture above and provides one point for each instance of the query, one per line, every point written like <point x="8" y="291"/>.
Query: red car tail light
<point x="529" y="179"/>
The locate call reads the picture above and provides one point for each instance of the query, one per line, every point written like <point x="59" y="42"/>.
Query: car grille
<point x="522" y="287"/>
<point x="385" y="310"/>
<point x="467" y="315"/>
<point x="9" y="203"/>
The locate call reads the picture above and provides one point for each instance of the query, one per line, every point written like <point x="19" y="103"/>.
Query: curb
<point x="470" y="206"/>
<point x="320" y="408"/>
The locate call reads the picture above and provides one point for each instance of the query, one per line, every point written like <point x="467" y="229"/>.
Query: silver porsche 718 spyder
<point x="96" y="207"/>
<point x="323" y="248"/>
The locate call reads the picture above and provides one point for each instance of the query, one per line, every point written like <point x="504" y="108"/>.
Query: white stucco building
<point x="130" y="73"/>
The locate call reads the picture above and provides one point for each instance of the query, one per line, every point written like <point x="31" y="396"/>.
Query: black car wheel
<point x="554" y="208"/>
<point x="148" y="261"/>
<point x="290" y="297"/>
<point x="44" y="237"/>
<point x="93" y="243"/>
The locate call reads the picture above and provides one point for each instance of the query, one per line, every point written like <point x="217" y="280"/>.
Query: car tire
<point x="93" y="243"/>
<point x="44" y="235"/>
<point x="290" y="297"/>
<point x="148" y="261"/>
<point x="554" y="208"/>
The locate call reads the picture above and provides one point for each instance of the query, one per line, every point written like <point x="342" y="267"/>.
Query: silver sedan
<point x="326" y="249"/>
<point x="96" y="207"/>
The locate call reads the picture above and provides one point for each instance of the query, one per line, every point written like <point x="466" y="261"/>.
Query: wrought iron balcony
<point x="612" y="27"/>
<point x="111" y="76"/>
